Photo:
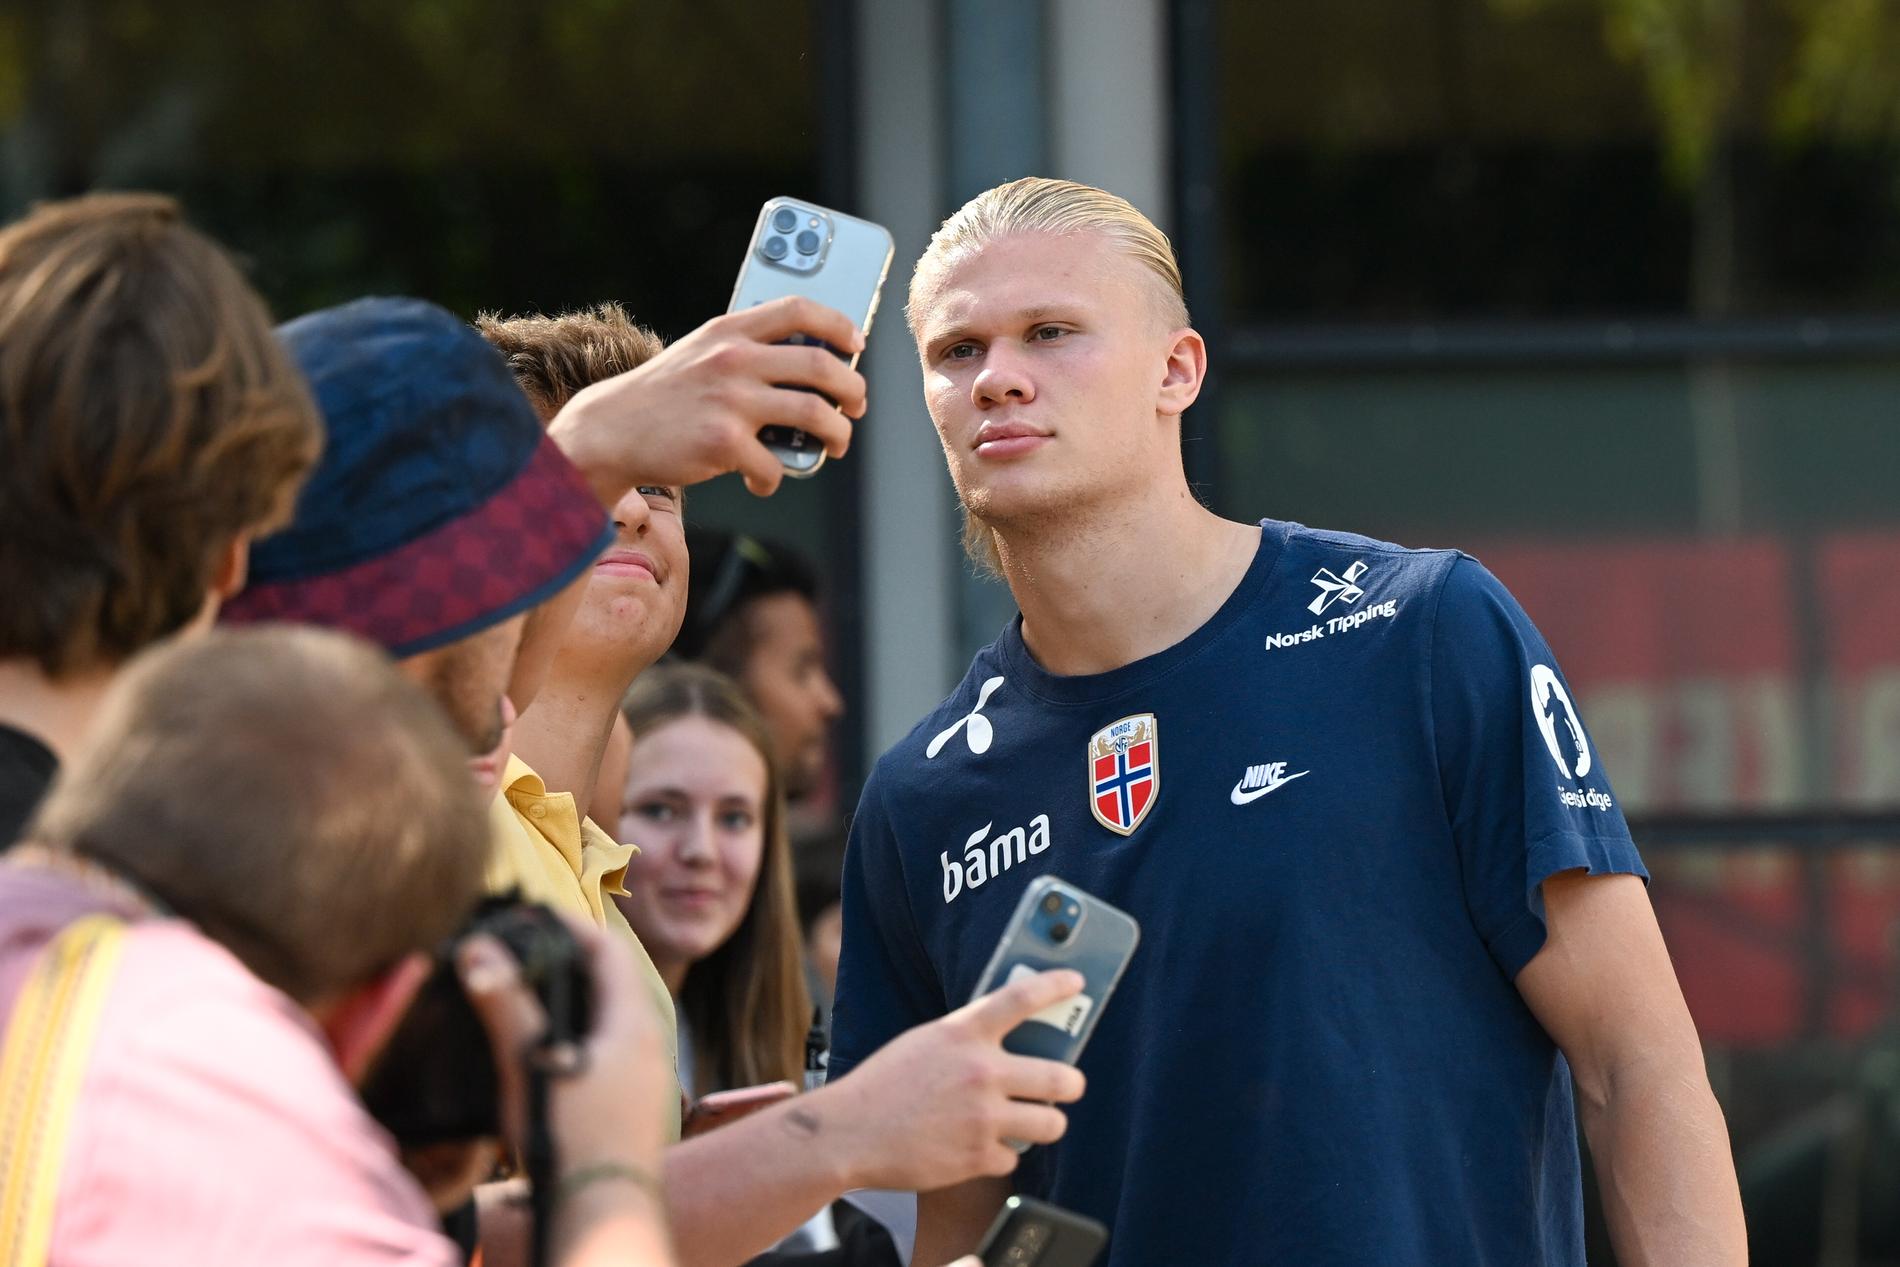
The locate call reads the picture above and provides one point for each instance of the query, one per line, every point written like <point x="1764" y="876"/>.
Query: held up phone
<point x="1057" y="925"/>
<point x="1032" y="1233"/>
<point x="801" y="248"/>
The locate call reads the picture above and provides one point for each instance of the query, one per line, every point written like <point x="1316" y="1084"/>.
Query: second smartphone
<point x="801" y="248"/>
<point x="1057" y="925"/>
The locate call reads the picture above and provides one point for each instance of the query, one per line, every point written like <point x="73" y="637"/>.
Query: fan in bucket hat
<point x="440" y="506"/>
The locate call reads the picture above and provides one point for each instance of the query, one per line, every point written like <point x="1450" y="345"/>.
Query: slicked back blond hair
<point x="1040" y="204"/>
<point x="553" y="358"/>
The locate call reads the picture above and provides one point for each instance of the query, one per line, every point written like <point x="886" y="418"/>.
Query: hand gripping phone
<point x="1057" y="925"/>
<point x="801" y="248"/>
<point x="1032" y="1233"/>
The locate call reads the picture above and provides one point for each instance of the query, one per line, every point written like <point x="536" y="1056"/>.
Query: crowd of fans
<point x="315" y="635"/>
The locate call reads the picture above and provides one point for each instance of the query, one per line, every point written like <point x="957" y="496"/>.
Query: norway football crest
<point x="1124" y="773"/>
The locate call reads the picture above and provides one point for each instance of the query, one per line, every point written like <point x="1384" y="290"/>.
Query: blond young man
<point x="935" y="1109"/>
<point x="1389" y="907"/>
<point x="150" y="427"/>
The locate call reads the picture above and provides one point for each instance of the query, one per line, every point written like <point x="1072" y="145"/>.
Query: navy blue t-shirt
<point x="1331" y="808"/>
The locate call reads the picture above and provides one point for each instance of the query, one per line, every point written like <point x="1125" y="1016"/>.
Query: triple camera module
<point x="1057" y="916"/>
<point x="795" y="238"/>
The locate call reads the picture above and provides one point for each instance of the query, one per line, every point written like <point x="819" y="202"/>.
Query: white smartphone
<point x="1057" y="925"/>
<point x="801" y="248"/>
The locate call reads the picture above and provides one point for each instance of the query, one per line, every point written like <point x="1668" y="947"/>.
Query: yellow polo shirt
<point x="547" y="849"/>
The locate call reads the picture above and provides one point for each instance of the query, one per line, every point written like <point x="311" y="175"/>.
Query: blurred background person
<point x="752" y="613"/>
<point x="150" y="427"/>
<point x="711" y="896"/>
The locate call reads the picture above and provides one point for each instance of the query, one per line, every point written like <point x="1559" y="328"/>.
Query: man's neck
<point x="57" y="712"/>
<point x="563" y="735"/>
<point x="1124" y="582"/>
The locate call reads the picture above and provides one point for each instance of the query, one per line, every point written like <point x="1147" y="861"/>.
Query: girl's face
<point x="695" y="807"/>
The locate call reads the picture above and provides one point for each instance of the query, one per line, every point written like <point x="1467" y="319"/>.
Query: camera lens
<point x="1058" y="931"/>
<point x="807" y="243"/>
<point x="775" y="248"/>
<point x="1052" y="904"/>
<point x="784" y="219"/>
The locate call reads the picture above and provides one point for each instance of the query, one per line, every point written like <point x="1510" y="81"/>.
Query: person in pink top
<point x="225" y="907"/>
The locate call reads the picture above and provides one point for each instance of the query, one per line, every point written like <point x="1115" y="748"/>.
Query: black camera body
<point x="436" y="1082"/>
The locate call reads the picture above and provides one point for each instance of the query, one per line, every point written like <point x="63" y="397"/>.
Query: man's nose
<point x="1004" y="377"/>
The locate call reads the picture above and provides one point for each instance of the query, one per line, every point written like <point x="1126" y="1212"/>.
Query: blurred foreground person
<point x="1388" y="903"/>
<point x="934" y="1110"/>
<point x="150" y="427"/>
<point x="753" y="615"/>
<point x="224" y="910"/>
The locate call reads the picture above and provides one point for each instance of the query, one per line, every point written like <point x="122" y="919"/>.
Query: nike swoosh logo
<point x="1241" y="797"/>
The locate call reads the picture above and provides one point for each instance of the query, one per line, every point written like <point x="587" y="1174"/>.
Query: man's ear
<point x="359" y="1024"/>
<point x="234" y="565"/>
<point x="1183" y="373"/>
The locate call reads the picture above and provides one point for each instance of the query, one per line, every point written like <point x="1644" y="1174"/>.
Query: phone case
<point x="1099" y="942"/>
<point x="1032" y="1233"/>
<point x="846" y="272"/>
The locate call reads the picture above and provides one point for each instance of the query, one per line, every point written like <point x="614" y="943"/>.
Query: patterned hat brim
<point x="521" y="547"/>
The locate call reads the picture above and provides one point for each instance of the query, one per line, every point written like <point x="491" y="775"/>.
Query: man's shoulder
<point x="209" y="1091"/>
<point x="908" y="758"/>
<point x="1347" y="547"/>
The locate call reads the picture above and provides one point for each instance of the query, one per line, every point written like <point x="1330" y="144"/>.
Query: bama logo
<point x="982" y="863"/>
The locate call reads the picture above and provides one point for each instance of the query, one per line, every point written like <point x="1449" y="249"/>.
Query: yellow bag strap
<point x="42" y="1065"/>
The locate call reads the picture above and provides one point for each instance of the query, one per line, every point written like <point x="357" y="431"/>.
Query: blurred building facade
<point x="1606" y="292"/>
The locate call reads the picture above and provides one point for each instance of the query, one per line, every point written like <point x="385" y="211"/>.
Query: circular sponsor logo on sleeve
<point x="1557" y="720"/>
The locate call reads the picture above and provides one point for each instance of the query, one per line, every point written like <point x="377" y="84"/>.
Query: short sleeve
<point x="1524" y="787"/>
<point x="886" y="983"/>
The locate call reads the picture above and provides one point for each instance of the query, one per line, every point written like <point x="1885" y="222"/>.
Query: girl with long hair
<point x="711" y="892"/>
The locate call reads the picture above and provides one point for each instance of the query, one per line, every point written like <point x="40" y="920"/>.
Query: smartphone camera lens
<point x="775" y="248"/>
<point x="1052" y="903"/>
<point x="784" y="219"/>
<point x="1058" y="932"/>
<point x="807" y="243"/>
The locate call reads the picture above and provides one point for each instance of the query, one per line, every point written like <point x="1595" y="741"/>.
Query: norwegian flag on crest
<point x="1124" y="772"/>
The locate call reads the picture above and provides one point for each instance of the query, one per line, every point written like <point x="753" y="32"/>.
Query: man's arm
<point x="1603" y="988"/>
<point x="952" y="1220"/>
<point x="932" y="1107"/>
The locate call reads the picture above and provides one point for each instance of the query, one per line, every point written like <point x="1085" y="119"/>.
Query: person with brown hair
<point x="150" y="427"/>
<point x="555" y="358"/>
<point x="222" y="913"/>
<point x="710" y="895"/>
<point x="911" y="1118"/>
<point x="710" y="892"/>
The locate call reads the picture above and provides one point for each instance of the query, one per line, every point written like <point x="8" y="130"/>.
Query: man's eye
<point x="658" y="490"/>
<point x="960" y="351"/>
<point x="1047" y="334"/>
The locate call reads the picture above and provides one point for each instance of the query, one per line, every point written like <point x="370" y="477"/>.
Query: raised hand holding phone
<point x="800" y="248"/>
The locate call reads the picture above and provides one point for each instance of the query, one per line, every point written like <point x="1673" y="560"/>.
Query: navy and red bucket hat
<point x="440" y="506"/>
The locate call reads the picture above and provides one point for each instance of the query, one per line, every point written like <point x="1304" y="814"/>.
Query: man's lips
<point x="627" y="563"/>
<point x="1007" y="439"/>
